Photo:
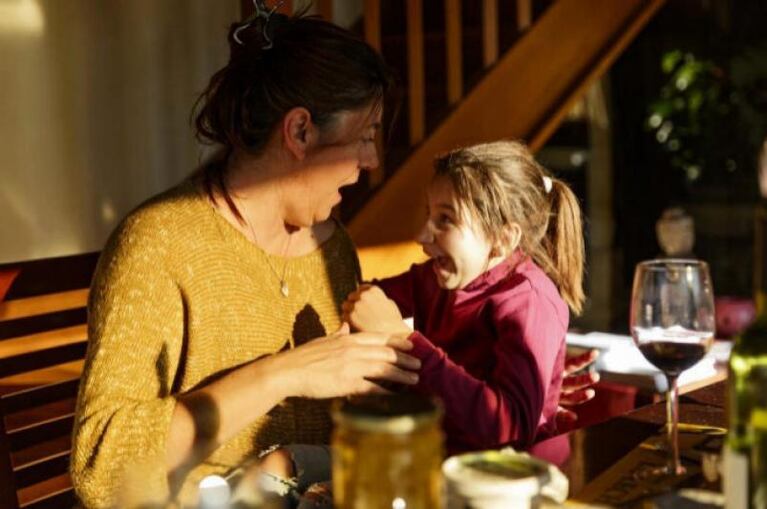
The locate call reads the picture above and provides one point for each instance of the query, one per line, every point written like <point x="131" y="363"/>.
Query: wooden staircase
<point x="473" y="71"/>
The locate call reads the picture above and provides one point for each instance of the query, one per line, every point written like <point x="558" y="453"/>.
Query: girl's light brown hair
<point x="500" y="184"/>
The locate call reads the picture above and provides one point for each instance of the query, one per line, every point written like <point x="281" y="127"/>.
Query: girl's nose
<point x="425" y="236"/>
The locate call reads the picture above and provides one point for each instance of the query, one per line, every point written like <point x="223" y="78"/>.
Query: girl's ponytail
<point x="501" y="183"/>
<point x="564" y="244"/>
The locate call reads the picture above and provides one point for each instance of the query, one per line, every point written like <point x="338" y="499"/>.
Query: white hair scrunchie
<point x="547" y="183"/>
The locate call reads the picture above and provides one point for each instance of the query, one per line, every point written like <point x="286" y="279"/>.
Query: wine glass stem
<point x="672" y="417"/>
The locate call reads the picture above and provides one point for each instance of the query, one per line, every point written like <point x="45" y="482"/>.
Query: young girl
<point x="490" y="307"/>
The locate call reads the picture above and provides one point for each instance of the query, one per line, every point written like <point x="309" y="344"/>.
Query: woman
<point x="206" y="296"/>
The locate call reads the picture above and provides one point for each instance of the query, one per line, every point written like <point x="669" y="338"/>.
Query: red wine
<point x="672" y="357"/>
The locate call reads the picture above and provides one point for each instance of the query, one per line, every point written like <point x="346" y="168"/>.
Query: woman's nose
<point x="369" y="160"/>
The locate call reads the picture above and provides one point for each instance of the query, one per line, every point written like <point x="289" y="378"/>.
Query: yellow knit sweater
<point x="180" y="295"/>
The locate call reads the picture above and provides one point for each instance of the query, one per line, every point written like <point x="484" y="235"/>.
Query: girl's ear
<point x="509" y="240"/>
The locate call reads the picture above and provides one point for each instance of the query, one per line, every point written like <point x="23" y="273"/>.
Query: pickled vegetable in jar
<point x="387" y="453"/>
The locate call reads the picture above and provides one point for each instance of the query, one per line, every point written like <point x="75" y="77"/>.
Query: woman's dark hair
<point x="278" y="63"/>
<point x="311" y="63"/>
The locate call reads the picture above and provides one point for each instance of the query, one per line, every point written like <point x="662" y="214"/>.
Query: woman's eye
<point x="444" y="220"/>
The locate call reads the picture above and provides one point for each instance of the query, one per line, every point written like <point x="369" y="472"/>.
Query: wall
<point x="95" y="102"/>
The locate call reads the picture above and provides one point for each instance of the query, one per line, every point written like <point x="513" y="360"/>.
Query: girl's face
<point x="460" y="249"/>
<point x="343" y="149"/>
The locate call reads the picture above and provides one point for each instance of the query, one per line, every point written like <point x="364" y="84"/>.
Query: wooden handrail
<point x="415" y="78"/>
<point x="454" y="51"/>
<point x="43" y="304"/>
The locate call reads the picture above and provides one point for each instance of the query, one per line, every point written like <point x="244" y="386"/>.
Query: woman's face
<point x="460" y="250"/>
<point x="344" y="148"/>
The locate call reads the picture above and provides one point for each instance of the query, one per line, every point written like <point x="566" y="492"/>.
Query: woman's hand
<point x="576" y="389"/>
<point x="343" y="364"/>
<point x="368" y="309"/>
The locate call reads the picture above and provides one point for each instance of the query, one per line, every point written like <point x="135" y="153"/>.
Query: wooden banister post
<point x="371" y="17"/>
<point x="286" y="7"/>
<point x="417" y="111"/>
<point x="489" y="32"/>
<point x="524" y="14"/>
<point x="454" y="53"/>
<point x="325" y="9"/>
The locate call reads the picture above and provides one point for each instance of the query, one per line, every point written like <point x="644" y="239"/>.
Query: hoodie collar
<point x="491" y="277"/>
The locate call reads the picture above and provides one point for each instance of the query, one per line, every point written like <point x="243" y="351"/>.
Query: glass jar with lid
<point x="387" y="452"/>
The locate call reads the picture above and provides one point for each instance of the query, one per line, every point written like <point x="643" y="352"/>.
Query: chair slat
<point x="43" y="340"/>
<point x="39" y="432"/>
<point x="38" y="396"/>
<point x="42" y="469"/>
<point x="63" y="498"/>
<point x="7" y="497"/>
<point x="36" y="360"/>
<point x="43" y="304"/>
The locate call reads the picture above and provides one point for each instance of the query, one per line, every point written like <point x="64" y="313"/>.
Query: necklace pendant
<point x="284" y="289"/>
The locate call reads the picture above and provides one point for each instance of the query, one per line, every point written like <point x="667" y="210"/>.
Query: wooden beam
<point x="415" y="68"/>
<point x="454" y="53"/>
<point x="642" y="14"/>
<point x="524" y="14"/>
<point x="489" y="32"/>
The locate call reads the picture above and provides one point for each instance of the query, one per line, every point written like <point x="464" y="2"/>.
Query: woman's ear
<point x="298" y="132"/>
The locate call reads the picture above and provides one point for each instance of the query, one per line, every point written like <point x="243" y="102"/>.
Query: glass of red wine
<point x="672" y="323"/>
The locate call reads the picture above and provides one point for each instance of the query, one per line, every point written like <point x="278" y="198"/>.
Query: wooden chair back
<point x="43" y="337"/>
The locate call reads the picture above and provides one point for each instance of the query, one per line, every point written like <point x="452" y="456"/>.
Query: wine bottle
<point x="745" y="454"/>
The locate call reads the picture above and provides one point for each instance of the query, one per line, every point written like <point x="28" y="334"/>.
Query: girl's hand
<point x="369" y="310"/>
<point x="576" y="389"/>
<point x="344" y="364"/>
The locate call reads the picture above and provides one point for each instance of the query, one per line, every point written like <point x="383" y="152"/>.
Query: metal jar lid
<point x="396" y="414"/>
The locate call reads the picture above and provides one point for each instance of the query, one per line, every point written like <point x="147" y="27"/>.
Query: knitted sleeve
<point x="124" y="407"/>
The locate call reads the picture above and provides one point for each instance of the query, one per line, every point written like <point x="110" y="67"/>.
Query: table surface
<point x="584" y="454"/>
<point x="621" y="362"/>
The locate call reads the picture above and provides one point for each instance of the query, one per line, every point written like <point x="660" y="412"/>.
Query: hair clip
<point x="547" y="183"/>
<point x="261" y="11"/>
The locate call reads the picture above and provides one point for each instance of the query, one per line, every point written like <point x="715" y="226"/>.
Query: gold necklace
<point x="284" y="290"/>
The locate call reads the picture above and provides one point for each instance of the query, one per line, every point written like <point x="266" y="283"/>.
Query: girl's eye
<point x="444" y="220"/>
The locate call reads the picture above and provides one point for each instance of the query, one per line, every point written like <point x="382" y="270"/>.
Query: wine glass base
<point x="700" y="429"/>
<point x="659" y="472"/>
